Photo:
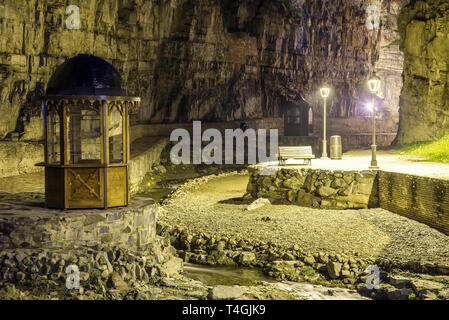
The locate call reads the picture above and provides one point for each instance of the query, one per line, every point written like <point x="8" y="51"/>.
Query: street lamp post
<point x="325" y="92"/>
<point x="374" y="85"/>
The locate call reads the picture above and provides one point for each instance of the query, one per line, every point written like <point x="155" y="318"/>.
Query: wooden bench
<point x="297" y="153"/>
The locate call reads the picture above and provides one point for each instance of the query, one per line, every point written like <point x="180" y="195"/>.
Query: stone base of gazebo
<point x="25" y="223"/>
<point x="39" y="244"/>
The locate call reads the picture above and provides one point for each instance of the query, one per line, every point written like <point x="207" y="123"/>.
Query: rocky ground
<point x="306" y="253"/>
<point x="180" y="288"/>
<point x="117" y="273"/>
<point x="147" y="274"/>
<point x="369" y="233"/>
<point x="208" y="221"/>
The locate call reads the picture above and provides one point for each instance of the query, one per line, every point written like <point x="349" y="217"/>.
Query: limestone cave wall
<point x="202" y="59"/>
<point x="424" y="113"/>
<point x="390" y="64"/>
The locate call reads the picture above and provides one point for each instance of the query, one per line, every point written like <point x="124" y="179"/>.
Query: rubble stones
<point x="420" y="284"/>
<point x="226" y="292"/>
<point x="116" y="282"/>
<point x="124" y="266"/>
<point x="334" y="269"/>
<point x="247" y="258"/>
<point x="258" y="204"/>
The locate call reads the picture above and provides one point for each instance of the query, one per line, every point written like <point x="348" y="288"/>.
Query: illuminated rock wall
<point x="390" y="64"/>
<point x="424" y="28"/>
<point x="202" y="59"/>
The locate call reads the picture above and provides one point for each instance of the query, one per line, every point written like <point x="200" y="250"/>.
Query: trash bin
<point x="336" y="148"/>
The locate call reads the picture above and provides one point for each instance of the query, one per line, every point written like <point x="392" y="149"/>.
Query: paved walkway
<point x="387" y="161"/>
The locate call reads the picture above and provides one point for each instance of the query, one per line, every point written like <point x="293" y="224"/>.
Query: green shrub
<point x="308" y="271"/>
<point x="412" y="296"/>
<point x="165" y="153"/>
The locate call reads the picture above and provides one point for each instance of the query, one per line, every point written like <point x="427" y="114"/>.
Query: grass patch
<point x="165" y="153"/>
<point x="412" y="296"/>
<point x="436" y="151"/>
<point x="308" y="272"/>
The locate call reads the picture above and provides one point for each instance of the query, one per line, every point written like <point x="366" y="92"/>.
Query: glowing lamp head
<point x="374" y="83"/>
<point x="325" y="91"/>
<point x="370" y="106"/>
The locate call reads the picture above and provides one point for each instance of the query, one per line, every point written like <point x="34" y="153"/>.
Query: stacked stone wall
<point x="133" y="226"/>
<point x="316" y="188"/>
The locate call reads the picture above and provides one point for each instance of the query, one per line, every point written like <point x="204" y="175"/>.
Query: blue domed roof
<point x="86" y="74"/>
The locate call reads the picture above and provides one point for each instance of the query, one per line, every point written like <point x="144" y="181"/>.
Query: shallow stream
<point x="230" y="276"/>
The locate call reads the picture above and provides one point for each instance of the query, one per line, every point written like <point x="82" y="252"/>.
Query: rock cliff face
<point x="390" y="64"/>
<point x="424" y="28"/>
<point x="201" y="59"/>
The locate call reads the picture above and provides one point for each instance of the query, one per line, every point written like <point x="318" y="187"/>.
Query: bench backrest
<point x="295" y="151"/>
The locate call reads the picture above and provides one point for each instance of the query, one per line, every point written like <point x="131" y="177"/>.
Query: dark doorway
<point x="297" y="118"/>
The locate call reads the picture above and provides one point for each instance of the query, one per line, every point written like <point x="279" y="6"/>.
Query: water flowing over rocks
<point x="294" y="264"/>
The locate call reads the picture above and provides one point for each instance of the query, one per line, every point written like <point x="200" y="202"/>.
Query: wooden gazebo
<point x="86" y="114"/>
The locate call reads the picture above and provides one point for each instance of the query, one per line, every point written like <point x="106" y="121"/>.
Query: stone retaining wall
<point x="316" y="188"/>
<point x="364" y="140"/>
<point x="20" y="157"/>
<point x="133" y="226"/>
<point x="419" y="198"/>
<point x="165" y="129"/>
<point x="351" y="141"/>
<point x="355" y="132"/>
<point x="145" y="153"/>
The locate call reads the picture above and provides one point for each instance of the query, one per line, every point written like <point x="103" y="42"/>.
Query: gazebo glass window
<point x="116" y="137"/>
<point x="53" y="136"/>
<point x="84" y="135"/>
